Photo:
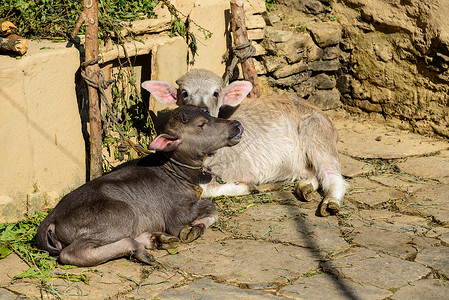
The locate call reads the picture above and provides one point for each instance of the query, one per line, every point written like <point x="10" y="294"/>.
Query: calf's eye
<point x="216" y="94"/>
<point x="184" y="94"/>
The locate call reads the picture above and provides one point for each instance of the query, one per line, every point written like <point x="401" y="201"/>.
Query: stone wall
<point x="302" y="52"/>
<point x="388" y="58"/>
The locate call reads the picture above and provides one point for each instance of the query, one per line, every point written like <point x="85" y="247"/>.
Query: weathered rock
<point x="344" y="83"/>
<point x="277" y="36"/>
<point x="256" y="34"/>
<point x="253" y="7"/>
<point x="325" y="66"/>
<point x="269" y="46"/>
<point x="260" y="50"/>
<point x="352" y="168"/>
<point x="437" y="232"/>
<point x="290" y="70"/>
<point x="156" y="282"/>
<point x="205" y="288"/>
<point x="360" y="138"/>
<point x="358" y="265"/>
<point x="11" y="266"/>
<point x="402" y="182"/>
<point x="308" y="6"/>
<point x="423" y="289"/>
<point x="331" y="53"/>
<point x="325" y="99"/>
<point x="260" y="68"/>
<point x="291" y="80"/>
<point x="311" y="51"/>
<point x="245" y="266"/>
<point x="428" y="167"/>
<point x="367" y="193"/>
<point x="7" y="295"/>
<point x="325" y="286"/>
<point x="436" y="258"/>
<point x="254" y="21"/>
<point x="289" y="224"/>
<point x="431" y="201"/>
<point x="395" y="222"/>
<point x="274" y="63"/>
<point x="398" y="244"/>
<point x="326" y="34"/>
<point x="295" y="48"/>
<point x="444" y="238"/>
<point x="324" y="82"/>
<point x="306" y="88"/>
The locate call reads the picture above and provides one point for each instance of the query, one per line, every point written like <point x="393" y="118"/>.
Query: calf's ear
<point x="236" y="92"/>
<point x="163" y="91"/>
<point x="165" y="142"/>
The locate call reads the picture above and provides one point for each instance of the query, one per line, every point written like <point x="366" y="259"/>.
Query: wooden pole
<point x="240" y="36"/>
<point x="92" y="71"/>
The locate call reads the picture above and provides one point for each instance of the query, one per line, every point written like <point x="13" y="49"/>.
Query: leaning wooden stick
<point x="89" y="17"/>
<point x="240" y="37"/>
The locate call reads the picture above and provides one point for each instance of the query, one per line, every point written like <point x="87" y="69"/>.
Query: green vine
<point x="182" y="28"/>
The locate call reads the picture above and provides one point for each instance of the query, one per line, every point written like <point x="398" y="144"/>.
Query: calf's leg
<point x="85" y="252"/>
<point x="206" y="215"/>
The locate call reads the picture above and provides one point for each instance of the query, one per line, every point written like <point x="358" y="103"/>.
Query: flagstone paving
<point x="389" y="241"/>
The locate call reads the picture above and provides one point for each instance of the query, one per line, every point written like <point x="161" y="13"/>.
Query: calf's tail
<point x="46" y="238"/>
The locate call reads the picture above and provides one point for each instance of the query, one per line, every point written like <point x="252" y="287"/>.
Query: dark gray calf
<point x="127" y="211"/>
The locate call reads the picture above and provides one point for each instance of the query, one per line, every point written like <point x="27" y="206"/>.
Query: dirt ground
<point x="389" y="241"/>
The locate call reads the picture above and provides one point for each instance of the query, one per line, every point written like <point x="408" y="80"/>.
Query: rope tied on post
<point x="101" y="86"/>
<point x="241" y="53"/>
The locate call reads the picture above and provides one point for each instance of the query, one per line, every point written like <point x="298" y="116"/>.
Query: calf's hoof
<point x="166" y="241"/>
<point x="190" y="233"/>
<point x="304" y="191"/>
<point x="145" y="257"/>
<point x="328" y="207"/>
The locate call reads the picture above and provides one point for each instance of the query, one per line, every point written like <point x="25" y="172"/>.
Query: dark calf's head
<point x="191" y="134"/>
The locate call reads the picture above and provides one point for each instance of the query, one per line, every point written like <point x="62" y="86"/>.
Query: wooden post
<point x="92" y="71"/>
<point x="240" y="36"/>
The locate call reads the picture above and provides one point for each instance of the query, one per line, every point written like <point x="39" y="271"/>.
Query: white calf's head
<point x="201" y="88"/>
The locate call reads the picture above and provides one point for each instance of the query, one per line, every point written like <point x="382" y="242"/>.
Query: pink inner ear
<point x="163" y="91"/>
<point x="164" y="142"/>
<point x="236" y="92"/>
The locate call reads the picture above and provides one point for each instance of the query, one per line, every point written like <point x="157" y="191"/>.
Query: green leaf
<point x="172" y="251"/>
<point x="4" y="251"/>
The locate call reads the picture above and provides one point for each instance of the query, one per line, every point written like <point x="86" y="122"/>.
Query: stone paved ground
<point x="390" y="240"/>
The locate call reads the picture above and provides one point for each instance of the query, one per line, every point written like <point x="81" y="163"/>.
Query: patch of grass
<point x="313" y="272"/>
<point x="19" y="238"/>
<point x="57" y="18"/>
<point x="268" y="4"/>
